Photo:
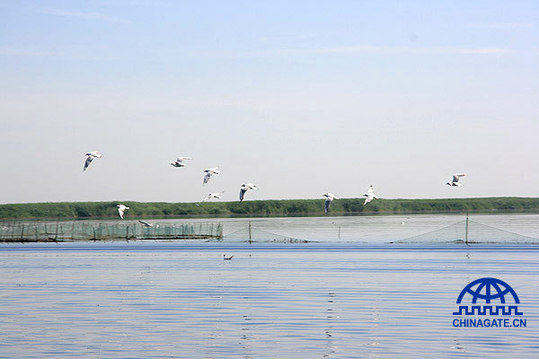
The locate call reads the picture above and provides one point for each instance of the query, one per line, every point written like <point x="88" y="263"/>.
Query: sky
<point x="298" y="97"/>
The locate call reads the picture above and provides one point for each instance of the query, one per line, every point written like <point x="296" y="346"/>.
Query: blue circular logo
<point x="488" y="289"/>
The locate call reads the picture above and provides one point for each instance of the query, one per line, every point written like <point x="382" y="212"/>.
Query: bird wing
<point x="121" y="212"/>
<point x="457" y="176"/>
<point x="242" y="193"/>
<point x="326" y="205"/>
<point x="207" y="177"/>
<point x="89" y="160"/>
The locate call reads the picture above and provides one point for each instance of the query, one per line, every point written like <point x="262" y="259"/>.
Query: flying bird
<point x="329" y="198"/>
<point x="121" y="210"/>
<point x="208" y="172"/>
<point x="370" y="195"/>
<point x="455" y="181"/>
<point x="180" y="161"/>
<point x="213" y="196"/>
<point x="90" y="156"/>
<point x="145" y="224"/>
<point x="244" y="188"/>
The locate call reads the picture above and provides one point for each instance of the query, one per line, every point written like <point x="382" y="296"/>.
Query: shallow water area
<point x="272" y="300"/>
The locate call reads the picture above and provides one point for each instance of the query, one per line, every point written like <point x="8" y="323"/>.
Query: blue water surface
<point x="272" y="300"/>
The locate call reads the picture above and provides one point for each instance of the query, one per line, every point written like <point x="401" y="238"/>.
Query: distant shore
<point x="265" y="208"/>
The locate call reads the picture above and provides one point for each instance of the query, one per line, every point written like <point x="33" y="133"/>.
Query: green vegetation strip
<point x="296" y="207"/>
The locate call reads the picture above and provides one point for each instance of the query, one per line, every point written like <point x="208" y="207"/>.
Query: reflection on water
<point x="312" y="300"/>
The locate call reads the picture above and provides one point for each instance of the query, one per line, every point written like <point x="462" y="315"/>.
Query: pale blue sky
<point x="297" y="97"/>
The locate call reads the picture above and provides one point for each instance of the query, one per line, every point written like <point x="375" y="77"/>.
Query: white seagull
<point x="180" y="161"/>
<point x="244" y="188"/>
<point x="370" y="195"/>
<point x="208" y="172"/>
<point x="455" y="181"/>
<point x="90" y="157"/>
<point x="329" y="198"/>
<point x="227" y="258"/>
<point x="121" y="210"/>
<point x="213" y="196"/>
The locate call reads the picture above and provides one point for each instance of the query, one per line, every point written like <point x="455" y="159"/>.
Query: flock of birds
<point x="209" y="172"/>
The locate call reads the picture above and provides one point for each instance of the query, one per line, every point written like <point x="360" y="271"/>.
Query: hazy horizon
<point x="298" y="98"/>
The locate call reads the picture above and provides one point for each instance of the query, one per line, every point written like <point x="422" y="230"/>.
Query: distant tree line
<point x="296" y="207"/>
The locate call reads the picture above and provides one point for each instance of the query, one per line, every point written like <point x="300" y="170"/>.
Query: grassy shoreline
<point x="266" y="208"/>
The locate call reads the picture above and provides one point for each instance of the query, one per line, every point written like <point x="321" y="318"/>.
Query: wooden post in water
<point x="250" y="239"/>
<point x="466" y="240"/>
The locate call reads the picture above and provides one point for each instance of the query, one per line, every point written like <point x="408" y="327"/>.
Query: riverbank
<point x="265" y="208"/>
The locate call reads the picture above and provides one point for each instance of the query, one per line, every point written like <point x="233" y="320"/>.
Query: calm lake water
<point x="360" y="298"/>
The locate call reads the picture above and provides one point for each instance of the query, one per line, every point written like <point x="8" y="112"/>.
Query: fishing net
<point x="251" y="234"/>
<point x="84" y="231"/>
<point x="469" y="231"/>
